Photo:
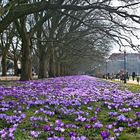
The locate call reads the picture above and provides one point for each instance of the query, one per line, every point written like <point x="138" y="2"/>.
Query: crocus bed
<point x="68" y="108"/>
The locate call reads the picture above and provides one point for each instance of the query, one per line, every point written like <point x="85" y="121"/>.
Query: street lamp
<point x="124" y="66"/>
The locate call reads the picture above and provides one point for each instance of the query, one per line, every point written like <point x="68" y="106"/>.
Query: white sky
<point x="134" y="40"/>
<point x="127" y="49"/>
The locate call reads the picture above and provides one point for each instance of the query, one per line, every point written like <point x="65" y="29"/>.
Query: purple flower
<point x="3" y="136"/>
<point x="87" y="126"/>
<point x="121" y="118"/>
<point x="80" y="118"/>
<point x="98" y="125"/>
<point x="109" y="126"/>
<point x="11" y="136"/>
<point x="112" y="114"/>
<point x="55" y="138"/>
<point x="98" y="109"/>
<point x="93" y="119"/>
<point x="105" y="135"/>
<point x="120" y="129"/>
<point x="59" y="123"/>
<point x="138" y="114"/>
<point x="72" y="134"/>
<point x="59" y="129"/>
<point x="46" y="128"/>
<point x="35" y="134"/>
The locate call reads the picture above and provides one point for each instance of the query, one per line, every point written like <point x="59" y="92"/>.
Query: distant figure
<point x="108" y="75"/>
<point x="127" y="76"/>
<point x="133" y="75"/>
<point x="112" y="76"/>
<point x="138" y="80"/>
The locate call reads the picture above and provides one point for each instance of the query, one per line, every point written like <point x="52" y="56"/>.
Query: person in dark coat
<point x="138" y="79"/>
<point x="133" y="75"/>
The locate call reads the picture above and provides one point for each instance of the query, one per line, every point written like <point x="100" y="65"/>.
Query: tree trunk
<point x="57" y="69"/>
<point x="44" y="62"/>
<point x="54" y="62"/>
<point x="26" y="50"/>
<point x="62" y="69"/>
<point x="3" y="61"/>
<point x="26" y="61"/>
<point x="4" y="65"/>
<point x="51" y="74"/>
<point x="15" y="66"/>
<point x="43" y="66"/>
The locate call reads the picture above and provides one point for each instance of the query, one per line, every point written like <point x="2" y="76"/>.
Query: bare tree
<point x="68" y="21"/>
<point x="5" y="42"/>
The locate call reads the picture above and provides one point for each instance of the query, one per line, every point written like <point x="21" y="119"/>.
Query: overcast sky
<point x="128" y="50"/>
<point x="135" y="41"/>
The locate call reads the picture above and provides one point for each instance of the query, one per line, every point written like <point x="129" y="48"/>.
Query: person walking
<point x="133" y="75"/>
<point x="138" y="79"/>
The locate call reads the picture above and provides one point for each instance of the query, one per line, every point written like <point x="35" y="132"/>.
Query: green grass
<point x="129" y="86"/>
<point x="134" y="88"/>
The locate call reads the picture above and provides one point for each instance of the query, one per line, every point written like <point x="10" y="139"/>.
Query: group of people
<point x="122" y="76"/>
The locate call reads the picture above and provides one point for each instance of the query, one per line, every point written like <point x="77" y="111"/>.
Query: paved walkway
<point x="8" y="78"/>
<point x="11" y="78"/>
<point x="129" y="81"/>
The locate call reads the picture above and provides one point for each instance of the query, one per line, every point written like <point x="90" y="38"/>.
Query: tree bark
<point x="3" y="61"/>
<point x="57" y="69"/>
<point x="44" y="62"/>
<point x="62" y="69"/>
<point x="26" y="50"/>
<point x="51" y="74"/>
<point x="15" y="66"/>
<point x="54" y="61"/>
<point x="26" y="61"/>
<point x="4" y="65"/>
<point x="43" y="66"/>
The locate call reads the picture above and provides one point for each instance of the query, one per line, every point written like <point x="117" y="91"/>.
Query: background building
<point x="115" y="63"/>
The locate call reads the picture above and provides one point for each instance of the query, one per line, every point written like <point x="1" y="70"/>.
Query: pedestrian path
<point x="8" y="78"/>
<point x="133" y="82"/>
<point x="13" y="78"/>
<point x="130" y="81"/>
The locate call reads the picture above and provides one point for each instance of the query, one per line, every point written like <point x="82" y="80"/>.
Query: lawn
<point x="69" y="108"/>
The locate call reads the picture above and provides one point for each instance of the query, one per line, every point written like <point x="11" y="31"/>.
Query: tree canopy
<point x="68" y="33"/>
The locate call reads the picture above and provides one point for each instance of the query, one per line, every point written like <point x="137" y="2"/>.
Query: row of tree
<point x="61" y="37"/>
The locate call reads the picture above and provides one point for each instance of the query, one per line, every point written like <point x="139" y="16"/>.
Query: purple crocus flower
<point x="46" y="128"/>
<point x="98" y="125"/>
<point x="72" y="134"/>
<point x="105" y="135"/>
<point x="120" y="129"/>
<point x="98" y="109"/>
<point x="138" y="114"/>
<point x="87" y="126"/>
<point x="121" y="118"/>
<point x="59" y="123"/>
<point x="35" y="134"/>
<point x="93" y="119"/>
<point x="109" y="126"/>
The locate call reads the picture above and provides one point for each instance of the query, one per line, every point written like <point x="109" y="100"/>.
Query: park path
<point x="130" y="81"/>
<point x="8" y="78"/>
<point x="13" y="78"/>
